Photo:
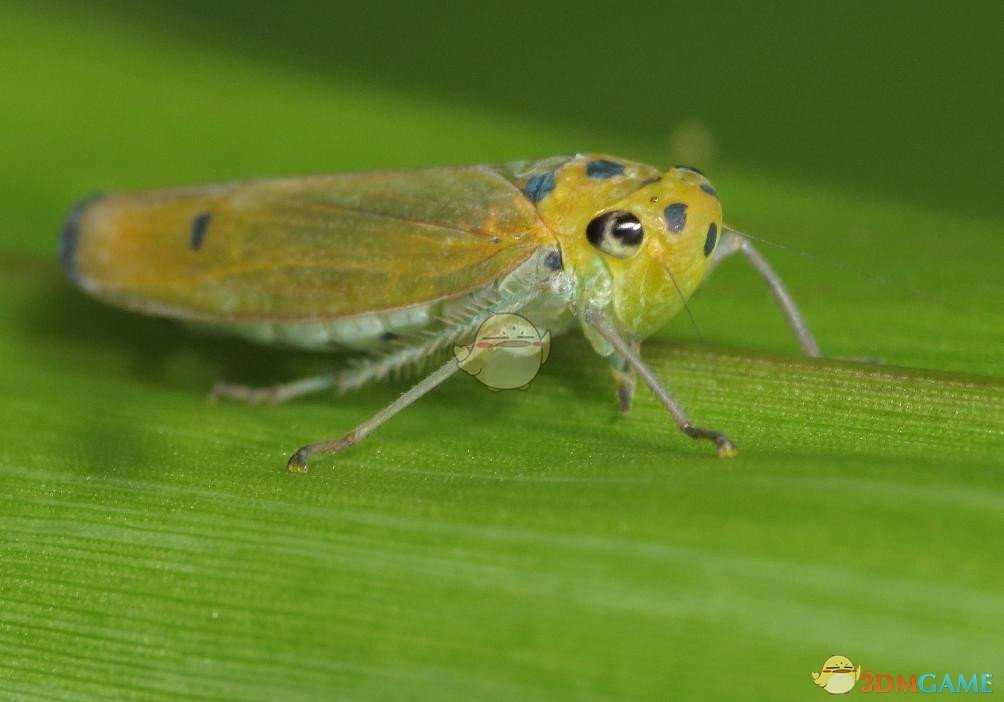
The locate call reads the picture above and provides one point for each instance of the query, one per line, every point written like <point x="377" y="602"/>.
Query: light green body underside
<point x="383" y="329"/>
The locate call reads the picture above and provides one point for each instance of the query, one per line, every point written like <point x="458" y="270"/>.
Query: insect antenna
<point x="825" y="260"/>
<point x="683" y="299"/>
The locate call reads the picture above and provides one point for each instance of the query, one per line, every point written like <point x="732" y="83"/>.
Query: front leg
<point x="734" y="241"/>
<point x="625" y="378"/>
<point x="595" y="318"/>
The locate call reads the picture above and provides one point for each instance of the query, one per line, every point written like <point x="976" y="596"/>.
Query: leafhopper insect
<point x="406" y="264"/>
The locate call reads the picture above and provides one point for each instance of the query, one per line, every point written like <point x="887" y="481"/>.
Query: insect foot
<point x="723" y="445"/>
<point x="299" y="462"/>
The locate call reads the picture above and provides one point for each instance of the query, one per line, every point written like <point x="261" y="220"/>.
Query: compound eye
<point x="616" y="233"/>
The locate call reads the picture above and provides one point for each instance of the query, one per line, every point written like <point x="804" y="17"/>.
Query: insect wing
<point x="299" y="249"/>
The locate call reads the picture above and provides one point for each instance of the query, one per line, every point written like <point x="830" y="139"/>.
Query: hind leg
<point x="273" y="394"/>
<point x="298" y="462"/>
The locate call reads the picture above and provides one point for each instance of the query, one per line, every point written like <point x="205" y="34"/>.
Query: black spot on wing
<point x="709" y="243"/>
<point x="602" y="168"/>
<point x="200" y="225"/>
<point x="676" y="216"/>
<point x="539" y="186"/>
<point x="69" y="237"/>
<point x="706" y="187"/>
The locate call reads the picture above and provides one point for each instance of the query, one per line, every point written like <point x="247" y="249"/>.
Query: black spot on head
<point x="603" y="168"/>
<point x="70" y="236"/>
<point x="538" y="187"/>
<point x="709" y="243"/>
<point x="389" y="336"/>
<point x="689" y="168"/>
<point x="706" y="187"/>
<point x="676" y="216"/>
<point x="200" y="225"/>
<point x="553" y="260"/>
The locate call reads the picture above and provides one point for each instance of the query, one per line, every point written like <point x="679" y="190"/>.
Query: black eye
<point x="617" y="233"/>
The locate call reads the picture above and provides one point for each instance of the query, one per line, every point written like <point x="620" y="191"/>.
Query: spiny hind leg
<point x="734" y="242"/>
<point x="359" y="372"/>
<point x="273" y="394"/>
<point x="343" y="380"/>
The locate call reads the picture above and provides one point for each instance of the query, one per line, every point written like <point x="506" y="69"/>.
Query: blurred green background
<point x="533" y="546"/>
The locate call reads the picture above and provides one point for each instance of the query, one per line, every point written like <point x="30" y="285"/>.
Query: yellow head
<point x="639" y="238"/>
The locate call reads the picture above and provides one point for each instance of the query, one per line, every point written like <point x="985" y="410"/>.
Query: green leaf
<point x="523" y="545"/>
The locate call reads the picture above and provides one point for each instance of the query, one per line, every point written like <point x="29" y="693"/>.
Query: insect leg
<point x="298" y="461"/>
<point x="625" y="379"/>
<point x="376" y="367"/>
<point x="273" y="394"/>
<point x="733" y="241"/>
<point x="595" y="318"/>
<point x="523" y="286"/>
<point x="411" y="356"/>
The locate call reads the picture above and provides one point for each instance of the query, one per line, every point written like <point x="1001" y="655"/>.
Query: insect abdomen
<point x="359" y="332"/>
